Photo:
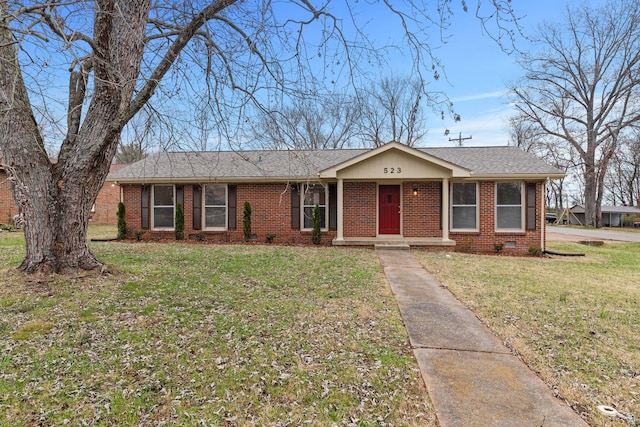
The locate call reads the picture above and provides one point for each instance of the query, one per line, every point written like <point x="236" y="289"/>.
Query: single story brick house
<point x="462" y="198"/>
<point x="8" y="206"/>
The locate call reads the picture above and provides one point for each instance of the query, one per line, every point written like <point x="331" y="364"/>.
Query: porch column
<point x="445" y="209"/>
<point x="543" y="216"/>
<point x="340" y="236"/>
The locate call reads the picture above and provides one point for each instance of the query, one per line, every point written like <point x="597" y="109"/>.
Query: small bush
<point x="629" y="220"/>
<point x="179" y="222"/>
<point x="246" y="221"/>
<point x="138" y="234"/>
<point x="535" y="250"/>
<point x="497" y="247"/>
<point x="316" y="236"/>
<point x="465" y="245"/>
<point x="122" y="224"/>
<point x="269" y="237"/>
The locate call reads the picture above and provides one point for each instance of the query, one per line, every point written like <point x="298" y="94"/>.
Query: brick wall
<point x="106" y="206"/>
<point x="8" y="206"/>
<point x="131" y="195"/>
<point x="421" y="213"/>
<point x="271" y="214"/>
<point x="360" y="209"/>
<point x="271" y="206"/>
<point x="486" y="239"/>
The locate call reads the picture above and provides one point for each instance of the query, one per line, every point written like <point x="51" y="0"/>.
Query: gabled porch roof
<point x="395" y="160"/>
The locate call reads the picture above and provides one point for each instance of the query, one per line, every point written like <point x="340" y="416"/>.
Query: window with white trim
<point x="312" y="195"/>
<point x="215" y="206"/>
<point x="509" y="212"/>
<point x="464" y="206"/>
<point x="163" y="202"/>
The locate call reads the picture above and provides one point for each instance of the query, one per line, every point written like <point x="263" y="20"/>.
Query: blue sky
<point x="478" y="73"/>
<point x="477" y="70"/>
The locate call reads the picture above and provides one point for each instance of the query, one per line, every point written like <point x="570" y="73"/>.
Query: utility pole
<point x="460" y="139"/>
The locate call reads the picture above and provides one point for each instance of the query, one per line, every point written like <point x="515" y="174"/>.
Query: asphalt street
<point x="589" y="234"/>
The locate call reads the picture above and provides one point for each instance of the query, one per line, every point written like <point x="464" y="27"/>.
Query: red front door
<point x="389" y="209"/>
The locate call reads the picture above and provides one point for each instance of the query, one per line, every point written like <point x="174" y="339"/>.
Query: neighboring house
<point x="8" y="207"/>
<point x="465" y="198"/>
<point x="103" y="211"/>
<point x="612" y="216"/>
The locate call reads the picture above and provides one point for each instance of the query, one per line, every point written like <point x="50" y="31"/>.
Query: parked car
<point x="551" y="218"/>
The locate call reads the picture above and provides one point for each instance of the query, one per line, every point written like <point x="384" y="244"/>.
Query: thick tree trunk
<point x="589" y="193"/>
<point x="56" y="201"/>
<point x="55" y="206"/>
<point x="56" y="196"/>
<point x="57" y="243"/>
<point x="590" y="196"/>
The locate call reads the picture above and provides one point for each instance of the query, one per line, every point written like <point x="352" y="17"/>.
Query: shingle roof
<point x="630" y="210"/>
<point x="499" y="160"/>
<point x="306" y="164"/>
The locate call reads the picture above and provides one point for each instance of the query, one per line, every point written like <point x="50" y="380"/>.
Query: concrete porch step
<point x="387" y="243"/>
<point x="392" y="246"/>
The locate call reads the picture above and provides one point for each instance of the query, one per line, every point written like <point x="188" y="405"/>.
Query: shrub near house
<point x="464" y="198"/>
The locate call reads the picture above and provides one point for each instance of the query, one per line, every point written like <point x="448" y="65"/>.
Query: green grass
<point x="191" y="334"/>
<point x="574" y="321"/>
<point x="188" y="334"/>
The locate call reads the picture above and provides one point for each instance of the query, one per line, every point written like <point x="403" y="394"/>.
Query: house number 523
<point x="392" y="170"/>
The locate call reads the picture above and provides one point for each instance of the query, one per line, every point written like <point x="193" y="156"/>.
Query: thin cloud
<point x="486" y="95"/>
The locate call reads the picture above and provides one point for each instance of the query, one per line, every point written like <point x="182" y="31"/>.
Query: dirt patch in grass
<point x="209" y="335"/>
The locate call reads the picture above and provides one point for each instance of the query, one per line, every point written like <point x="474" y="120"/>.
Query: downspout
<point x="340" y="210"/>
<point x="444" y="219"/>
<point x="543" y="216"/>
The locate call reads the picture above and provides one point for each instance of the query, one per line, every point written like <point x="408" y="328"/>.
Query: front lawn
<point x="194" y="334"/>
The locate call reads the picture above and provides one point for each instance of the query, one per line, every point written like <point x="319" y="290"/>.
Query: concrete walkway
<point x="471" y="377"/>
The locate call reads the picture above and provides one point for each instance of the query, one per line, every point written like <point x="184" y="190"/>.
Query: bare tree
<point x="221" y="55"/>
<point x="321" y="123"/>
<point x="583" y="85"/>
<point x="532" y="138"/>
<point x="394" y="111"/>
<point x="138" y="132"/>
<point x="623" y="178"/>
<point x="129" y="153"/>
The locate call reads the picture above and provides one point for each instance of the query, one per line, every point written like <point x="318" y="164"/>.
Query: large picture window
<point x="215" y="206"/>
<point x="163" y="207"/>
<point x="509" y="206"/>
<point x="464" y="206"/>
<point x="314" y="194"/>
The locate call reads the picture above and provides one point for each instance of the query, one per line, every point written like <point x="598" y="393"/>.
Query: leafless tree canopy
<point x="394" y="110"/>
<point x="315" y="124"/>
<point x="181" y="61"/>
<point x="581" y="87"/>
<point x="623" y="178"/>
<point x="530" y="137"/>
